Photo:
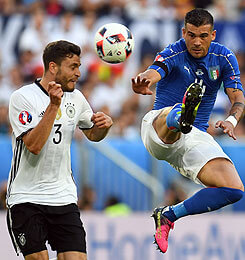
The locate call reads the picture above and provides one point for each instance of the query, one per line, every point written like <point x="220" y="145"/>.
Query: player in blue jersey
<point x="189" y="74"/>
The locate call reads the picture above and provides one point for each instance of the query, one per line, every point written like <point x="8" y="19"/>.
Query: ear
<point x="183" y="32"/>
<point x="53" y="67"/>
<point x="213" y="35"/>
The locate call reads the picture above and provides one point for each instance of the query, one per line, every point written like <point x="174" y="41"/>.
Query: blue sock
<point x="205" y="200"/>
<point x="173" y="117"/>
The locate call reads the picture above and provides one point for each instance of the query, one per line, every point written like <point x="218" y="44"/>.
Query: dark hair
<point x="58" y="51"/>
<point x="199" y="17"/>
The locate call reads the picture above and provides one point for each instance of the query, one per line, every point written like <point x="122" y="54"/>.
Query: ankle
<point x="173" y="118"/>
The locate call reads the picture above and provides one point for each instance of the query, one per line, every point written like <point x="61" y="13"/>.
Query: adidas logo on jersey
<point x="41" y="114"/>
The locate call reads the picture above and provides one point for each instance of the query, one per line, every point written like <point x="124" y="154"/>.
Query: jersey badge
<point x="199" y="72"/>
<point x="25" y="117"/>
<point x="214" y="72"/>
<point x="22" y="239"/>
<point x="59" y="114"/>
<point x="41" y="114"/>
<point x="235" y="77"/>
<point x="70" y="110"/>
<point x="159" y="58"/>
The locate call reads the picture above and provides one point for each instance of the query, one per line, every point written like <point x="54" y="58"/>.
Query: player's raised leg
<point x="173" y="120"/>
<point x="223" y="188"/>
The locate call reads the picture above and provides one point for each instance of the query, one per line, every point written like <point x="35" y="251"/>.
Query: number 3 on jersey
<point x="58" y="134"/>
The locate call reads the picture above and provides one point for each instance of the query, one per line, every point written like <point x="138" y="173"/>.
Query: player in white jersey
<point x="42" y="196"/>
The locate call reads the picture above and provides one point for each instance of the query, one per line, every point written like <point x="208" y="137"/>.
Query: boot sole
<point x="190" y="105"/>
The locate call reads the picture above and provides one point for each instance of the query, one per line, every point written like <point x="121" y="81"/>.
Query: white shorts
<point x="188" y="154"/>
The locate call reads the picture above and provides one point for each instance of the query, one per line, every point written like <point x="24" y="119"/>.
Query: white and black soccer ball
<point x="114" y="42"/>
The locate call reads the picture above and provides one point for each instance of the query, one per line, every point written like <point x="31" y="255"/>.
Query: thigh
<point x="151" y="140"/>
<point x="220" y="172"/>
<point x="163" y="132"/>
<point x="27" y="228"/>
<point x="66" y="231"/>
<point x="72" y="256"/>
<point x="43" y="255"/>
<point x="199" y="149"/>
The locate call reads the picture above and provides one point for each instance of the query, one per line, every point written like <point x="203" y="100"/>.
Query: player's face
<point x="198" y="39"/>
<point x="68" y="73"/>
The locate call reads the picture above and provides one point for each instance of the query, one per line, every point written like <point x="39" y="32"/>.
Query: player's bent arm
<point x="102" y="124"/>
<point x="151" y="75"/>
<point x="37" y="137"/>
<point x="143" y="81"/>
<point x="95" y="134"/>
<point x="237" y="100"/>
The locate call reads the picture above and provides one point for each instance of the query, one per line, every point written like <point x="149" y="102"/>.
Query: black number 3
<point x="58" y="132"/>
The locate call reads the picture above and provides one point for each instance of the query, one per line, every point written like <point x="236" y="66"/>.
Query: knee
<point x="233" y="195"/>
<point x="239" y="186"/>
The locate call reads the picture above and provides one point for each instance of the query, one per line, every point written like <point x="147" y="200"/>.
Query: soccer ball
<point x="114" y="43"/>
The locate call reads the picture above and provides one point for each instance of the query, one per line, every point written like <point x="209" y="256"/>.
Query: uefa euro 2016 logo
<point x="25" y="117"/>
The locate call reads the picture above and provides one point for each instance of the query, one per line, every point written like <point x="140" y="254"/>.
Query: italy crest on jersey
<point x="214" y="72"/>
<point x="25" y="117"/>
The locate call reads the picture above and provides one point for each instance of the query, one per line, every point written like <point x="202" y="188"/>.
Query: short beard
<point x="63" y="82"/>
<point x="63" y="85"/>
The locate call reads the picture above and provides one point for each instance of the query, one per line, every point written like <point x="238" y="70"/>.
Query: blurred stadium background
<point x="119" y="183"/>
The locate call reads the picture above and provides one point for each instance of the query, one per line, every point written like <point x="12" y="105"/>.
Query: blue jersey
<point x="178" y="69"/>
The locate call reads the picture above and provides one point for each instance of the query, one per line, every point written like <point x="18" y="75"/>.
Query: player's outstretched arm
<point x="142" y="82"/>
<point x="237" y="100"/>
<point x="37" y="137"/>
<point x="102" y="124"/>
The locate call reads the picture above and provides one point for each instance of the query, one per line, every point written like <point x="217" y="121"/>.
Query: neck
<point x="44" y="82"/>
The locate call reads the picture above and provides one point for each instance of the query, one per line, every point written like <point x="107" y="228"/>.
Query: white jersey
<point x="45" y="178"/>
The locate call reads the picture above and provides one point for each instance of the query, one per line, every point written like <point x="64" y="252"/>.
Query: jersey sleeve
<point x="22" y="114"/>
<point x="231" y="73"/>
<point x="163" y="63"/>
<point x="84" y="120"/>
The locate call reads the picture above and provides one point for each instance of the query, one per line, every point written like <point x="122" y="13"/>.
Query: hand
<point x="227" y="127"/>
<point x="141" y="85"/>
<point x="101" y="120"/>
<point x="55" y="93"/>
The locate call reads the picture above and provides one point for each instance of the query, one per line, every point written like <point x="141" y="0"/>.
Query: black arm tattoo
<point x="239" y="104"/>
<point x="237" y="107"/>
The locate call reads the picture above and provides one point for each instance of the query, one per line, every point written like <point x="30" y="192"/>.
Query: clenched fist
<point x="55" y="93"/>
<point x="101" y="120"/>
